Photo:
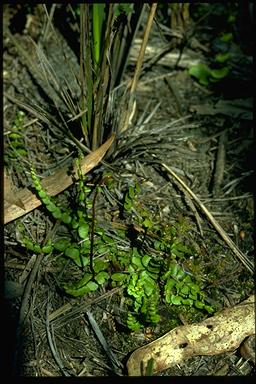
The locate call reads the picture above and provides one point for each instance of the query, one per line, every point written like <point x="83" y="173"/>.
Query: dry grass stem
<point x="137" y="71"/>
<point x="246" y="262"/>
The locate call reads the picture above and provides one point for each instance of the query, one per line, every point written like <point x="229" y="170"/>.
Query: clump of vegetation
<point x="149" y="270"/>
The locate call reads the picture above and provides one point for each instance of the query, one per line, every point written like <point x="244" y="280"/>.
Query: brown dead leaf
<point x="11" y="193"/>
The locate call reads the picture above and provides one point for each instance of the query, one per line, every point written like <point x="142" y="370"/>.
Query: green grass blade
<point x="86" y="71"/>
<point x="98" y="17"/>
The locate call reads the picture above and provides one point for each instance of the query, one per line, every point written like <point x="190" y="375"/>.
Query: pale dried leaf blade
<point x="55" y="183"/>
<point x="11" y="193"/>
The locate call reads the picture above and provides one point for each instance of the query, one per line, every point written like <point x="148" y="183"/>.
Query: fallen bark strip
<point x="218" y="334"/>
<point x="54" y="184"/>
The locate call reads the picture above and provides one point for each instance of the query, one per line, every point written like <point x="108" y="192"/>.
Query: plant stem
<point x="92" y="231"/>
<point x="137" y="71"/>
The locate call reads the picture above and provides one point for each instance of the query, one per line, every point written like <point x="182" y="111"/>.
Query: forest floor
<point x="205" y="135"/>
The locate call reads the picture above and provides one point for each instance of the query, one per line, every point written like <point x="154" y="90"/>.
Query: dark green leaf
<point x="131" y="192"/>
<point x="185" y="290"/>
<point x="136" y="260"/>
<point x="219" y="74"/>
<point x="174" y="269"/>
<point x="137" y="188"/>
<point x="145" y="260"/>
<point x="28" y="243"/>
<point x="85" y="279"/>
<point x="37" y="248"/>
<point x="147" y="223"/>
<point x="76" y="292"/>
<point x="132" y="322"/>
<point x="155" y="318"/>
<point x="62" y="244"/>
<point x="92" y="286"/>
<point x="149" y="289"/>
<point x="127" y="205"/>
<point x="187" y="302"/>
<point x="102" y="277"/>
<point x="72" y="252"/>
<point x="170" y="284"/>
<point x="74" y="224"/>
<point x="176" y="300"/>
<point x="100" y="265"/>
<point x="42" y="194"/>
<point x="21" y="152"/>
<point x="209" y="309"/>
<point x="46" y="200"/>
<point x="192" y="296"/>
<point x="51" y="206"/>
<point x="17" y="144"/>
<point x="57" y="214"/>
<point x="119" y="276"/>
<point x="222" y="57"/>
<point x="180" y="275"/>
<point x="157" y="245"/>
<point x="194" y="287"/>
<point x="66" y="218"/>
<point x="199" y="304"/>
<point x="201" y="72"/>
<point x="47" y="248"/>
<point x="81" y="196"/>
<point x="83" y="231"/>
<point x="15" y="136"/>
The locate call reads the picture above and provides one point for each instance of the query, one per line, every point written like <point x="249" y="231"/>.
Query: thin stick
<point x="116" y="365"/>
<point x="143" y="48"/>
<point x="220" y="165"/>
<point x="137" y="71"/>
<point x="52" y="344"/>
<point x="80" y="308"/>
<point x="191" y="206"/>
<point x="92" y="231"/>
<point x="247" y="263"/>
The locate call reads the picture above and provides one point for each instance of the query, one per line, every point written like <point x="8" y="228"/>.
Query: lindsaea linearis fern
<point x="148" y="280"/>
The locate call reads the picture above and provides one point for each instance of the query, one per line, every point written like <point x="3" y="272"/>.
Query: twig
<point x="24" y="309"/>
<point x="191" y="206"/>
<point x="220" y="165"/>
<point x="114" y="362"/>
<point x="247" y="263"/>
<point x="51" y="342"/>
<point x="92" y="231"/>
<point x="25" y="299"/>
<point x="137" y="71"/>
<point x="26" y="295"/>
<point x="143" y="48"/>
<point x="175" y="93"/>
<point x="78" y="309"/>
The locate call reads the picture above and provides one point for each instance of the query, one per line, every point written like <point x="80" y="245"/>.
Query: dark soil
<point x="185" y="132"/>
